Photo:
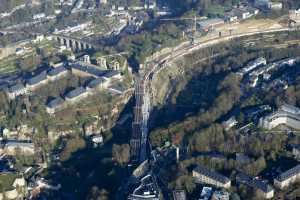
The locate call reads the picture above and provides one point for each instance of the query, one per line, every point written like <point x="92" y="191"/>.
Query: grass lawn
<point x="7" y="180"/>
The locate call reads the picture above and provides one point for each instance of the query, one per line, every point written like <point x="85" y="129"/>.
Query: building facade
<point x="286" y="114"/>
<point x="288" y="177"/>
<point x="207" y="176"/>
<point x="16" y="90"/>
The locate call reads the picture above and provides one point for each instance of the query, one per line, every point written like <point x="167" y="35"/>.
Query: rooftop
<point x="290" y="109"/>
<point x="56" y="71"/>
<point x="55" y="102"/>
<point x="289" y="173"/>
<point x="210" y="22"/>
<point x="37" y="78"/>
<point x="179" y="195"/>
<point x="212" y="174"/>
<point x="19" y="144"/>
<point x="96" y="82"/>
<point x="76" y="92"/>
<point x="89" y="69"/>
<point x="252" y="182"/>
<point x="16" y="87"/>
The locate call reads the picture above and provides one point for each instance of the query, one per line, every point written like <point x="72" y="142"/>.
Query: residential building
<point x="237" y="14"/>
<point x="287" y="114"/>
<point x="288" y="177"/>
<point x="56" y="73"/>
<point x="253" y="64"/>
<point x="37" y="80"/>
<point x="14" y="147"/>
<point x="275" y="5"/>
<point x="179" y="195"/>
<point x="296" y="151"/>
<point x="206" y="193"/>
<point x="242" y="158"/>
<point x="54" y="105"/>
<point x="228" y="124"/>
<point x="146" y="190"/>
<point x="207" y="176"/>
<point x="220" y="195"/>
<point x="16" y="90"/>
<point x="76" y="94"/>
<point x="210" y="24"/>
<point x="98" y="83"/>
<point x="84" y="69"/>
<point x="39" y="16"/>
<point x="263" y="189"/>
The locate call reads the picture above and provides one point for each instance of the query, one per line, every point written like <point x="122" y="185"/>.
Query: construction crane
<point x="194" y="19"/>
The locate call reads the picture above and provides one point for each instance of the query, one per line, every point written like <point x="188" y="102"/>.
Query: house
<point x="147" y="189"/>
<point x="263" y="189"/>
<point x="252" y="65"/>
<point x="296" y="151"/>
<point x="37" y="80"/>
<point x="16" y="90"/>
<point x="97" y="140"/>
<point x="242" y="158"/>
<point x="237" y="14"/>
<point x="54" y="105"/>
<point x="286" y="114"/>
<point x="275" y="5"/>
<point x="39" y="16"/>
<point x="207" y="176"/>
<point x="84" y="69"/>
<point x="179" y="195"/>
<point x="20" y="51"/>
<point x="76" y="94"/>
<point x="210" y="24"/>
<point x="56" y="73"/>
<point x="38" y="38"/>
<point x="287" y="178"/>
<point x="228" y="124"/>
<point x="14" y="147"/>
<point x="98" y="83"/>
<point x="220" y="195"/>
<point x="206" y="193"/>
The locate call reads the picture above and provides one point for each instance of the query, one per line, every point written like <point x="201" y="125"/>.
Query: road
<point x="155" y="65"/>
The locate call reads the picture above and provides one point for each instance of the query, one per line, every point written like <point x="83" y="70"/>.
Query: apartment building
<point x="286" y="114"/>
<point x="16" y="90"/>
<point x="207" y="176"/>
<point x="288" y="177"/>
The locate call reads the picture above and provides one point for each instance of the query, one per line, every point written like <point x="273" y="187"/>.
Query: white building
<point x="275" y="5"/>
<point x="253" y="64"/>
<point x="228" y="124"/>
<point x="16" y="90"/>
<point x="287" y="114"/>
<point x="262" y="188"/>
<point x="39" y="16"/>
<point x="207" y="176"/>
<point x="288" y="177"/>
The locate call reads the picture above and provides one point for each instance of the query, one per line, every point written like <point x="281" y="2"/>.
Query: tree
<point x="73" y="144"/>
<point x="121" y="153"/>
<point x="97" y="194"/>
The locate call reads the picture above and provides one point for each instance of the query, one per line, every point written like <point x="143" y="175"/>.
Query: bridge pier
<point x="74" y="44"/>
